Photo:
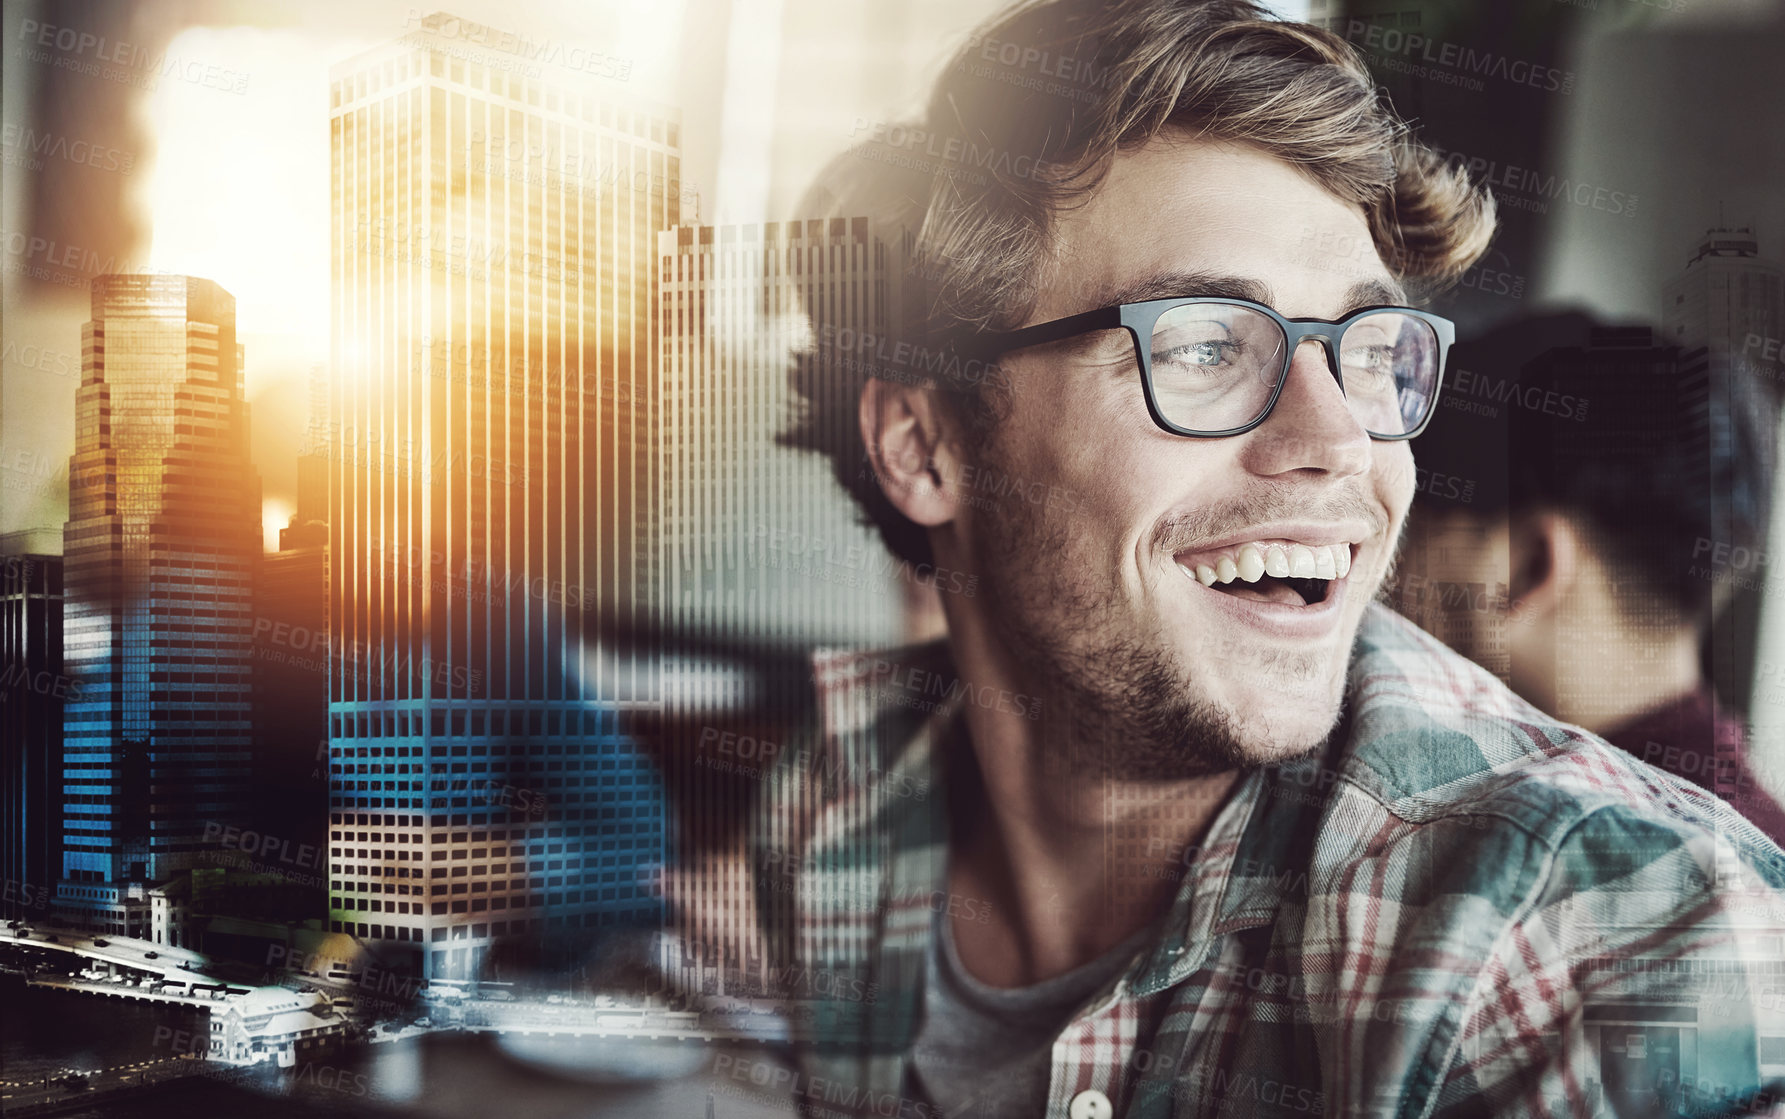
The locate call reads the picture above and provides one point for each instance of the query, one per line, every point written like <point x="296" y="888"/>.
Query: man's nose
<point x="1311" y="427"/>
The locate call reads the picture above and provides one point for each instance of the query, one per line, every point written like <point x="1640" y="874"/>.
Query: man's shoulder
<point x="1435" y="737"/>
<point x="869" y="743"/>
<point x="882" y="706"/>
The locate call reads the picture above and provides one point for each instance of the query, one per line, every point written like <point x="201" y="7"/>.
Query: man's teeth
<point x="1252" y="562"/>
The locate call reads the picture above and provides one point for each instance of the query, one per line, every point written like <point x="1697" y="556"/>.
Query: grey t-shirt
<point x="987" y="1052"/>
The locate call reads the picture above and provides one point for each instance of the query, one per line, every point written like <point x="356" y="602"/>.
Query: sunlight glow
<point x="238" y="192"/>
<point x="275" y="514"/>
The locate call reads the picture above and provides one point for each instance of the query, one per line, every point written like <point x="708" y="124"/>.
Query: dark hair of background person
<point x="1654" y="450"/>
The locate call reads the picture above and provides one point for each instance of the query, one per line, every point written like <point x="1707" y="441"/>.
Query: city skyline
<point x="475" y="345"/>
<point x="181" y="195"/>
<point x="453" y="364"/>
<point x="387" y="703"/>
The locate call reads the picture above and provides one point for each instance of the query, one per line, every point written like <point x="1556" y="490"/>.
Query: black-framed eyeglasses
<point x="1213" y="366"/>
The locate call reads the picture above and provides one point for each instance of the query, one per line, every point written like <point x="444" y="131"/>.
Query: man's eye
<point x="1372" y="358"/>
<point x="1211" y="352"/>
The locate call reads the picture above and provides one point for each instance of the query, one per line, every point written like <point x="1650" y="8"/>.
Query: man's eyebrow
<point x="1171" y="285"/>
<point x="1373" y="293"/>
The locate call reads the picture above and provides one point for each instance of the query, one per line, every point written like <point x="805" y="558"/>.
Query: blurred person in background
<point x="1579" y="494"/>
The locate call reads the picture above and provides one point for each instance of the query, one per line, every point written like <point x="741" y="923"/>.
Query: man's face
<point x="1094" y="597"/>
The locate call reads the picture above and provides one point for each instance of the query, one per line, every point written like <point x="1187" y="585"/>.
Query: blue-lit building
<point x="492" y="496"/>
<point x="161" y="551"/>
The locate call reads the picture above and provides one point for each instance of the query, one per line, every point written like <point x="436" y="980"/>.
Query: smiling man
<point x="1177" y="820"/>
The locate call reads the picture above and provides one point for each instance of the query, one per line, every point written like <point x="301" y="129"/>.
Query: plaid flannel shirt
<point x="1466" y="908"/>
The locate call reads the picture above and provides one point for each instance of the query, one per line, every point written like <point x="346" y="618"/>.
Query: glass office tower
<point x="493" y="447"/>
<point x="161" y="551"/>
<point x="30" y="721"/>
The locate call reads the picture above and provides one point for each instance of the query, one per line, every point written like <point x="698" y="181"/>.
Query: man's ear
<point x="1546" y="557"/>
<point x="904" y="431"/>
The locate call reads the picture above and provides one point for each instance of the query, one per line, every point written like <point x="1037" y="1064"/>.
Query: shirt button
<point x="1090" y="1105"/>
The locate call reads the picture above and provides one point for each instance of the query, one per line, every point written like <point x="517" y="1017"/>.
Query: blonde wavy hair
<point x="1024" y="123"/>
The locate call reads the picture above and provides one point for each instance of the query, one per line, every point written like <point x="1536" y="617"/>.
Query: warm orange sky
<point x="233" y="186"/>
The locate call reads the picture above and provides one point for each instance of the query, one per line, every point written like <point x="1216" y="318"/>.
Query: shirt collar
<point x="1392" y="740"/>
<point x="1254" y="857"/>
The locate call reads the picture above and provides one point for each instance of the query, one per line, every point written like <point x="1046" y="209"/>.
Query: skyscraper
<point x="1721" y="310"/>
<point x="292" y="658"/>
<point x="762" y="552"/>
<point x="162" y="548"/>
<point x="36" y="690"/>
<point x="492" y="493"/>
<point x="1725" y="295"/>
<point x="759" y="541"/>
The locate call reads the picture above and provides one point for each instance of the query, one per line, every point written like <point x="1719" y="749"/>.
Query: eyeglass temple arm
<point x="994" y="342"/>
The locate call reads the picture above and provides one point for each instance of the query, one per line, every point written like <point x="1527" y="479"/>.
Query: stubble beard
<point x="1118" y="704"/>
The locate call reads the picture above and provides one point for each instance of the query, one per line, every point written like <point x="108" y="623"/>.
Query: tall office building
<point x="492" y="496"/>
<point x="759" y="541"/>
<point x="1726" y="297"/>
<point x="162" y="548"/>
<point x="35" y="690"/>
<point x="292" y="657"/>
<point x="763" y="555"/>
<point x="1721" y="310"/>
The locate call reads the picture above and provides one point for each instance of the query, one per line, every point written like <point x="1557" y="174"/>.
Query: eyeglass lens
<point x="1216" y="365"/>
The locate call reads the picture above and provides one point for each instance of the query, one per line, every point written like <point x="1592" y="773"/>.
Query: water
<point x="44" y="1031"/>
<point x="440" y="1076"/>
